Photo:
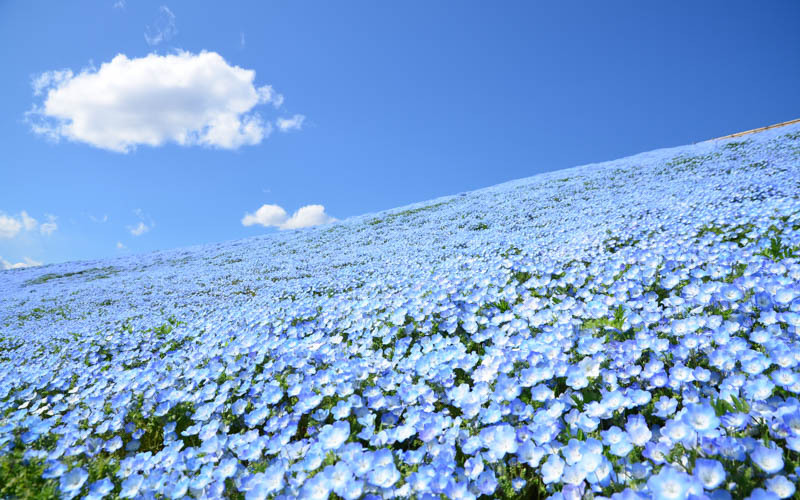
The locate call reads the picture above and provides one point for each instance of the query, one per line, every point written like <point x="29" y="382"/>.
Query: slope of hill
<point x="625" y="329"/>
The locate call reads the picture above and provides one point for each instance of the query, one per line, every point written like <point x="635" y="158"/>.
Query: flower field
<point x="629" y="329"/>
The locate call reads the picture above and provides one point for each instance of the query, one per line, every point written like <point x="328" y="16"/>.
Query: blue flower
<point x="131" y="485"/>
<point x="552" y="469"/>
<point x="762" y="494"/>
<point x="770" y="460"/>
<point x="72" y="481"/>
<point x="669" y="484"/>
<point x="781" y="486"/>
<point x="702" y="418"/>
<point x="709" y="472"/>
<point x="333" y="436"/>
<point x="486" y="482"/>
<point x="638" y="431"/>
<point x="384" y="476"/>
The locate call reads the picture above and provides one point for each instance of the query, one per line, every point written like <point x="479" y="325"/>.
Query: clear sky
<point x="185" y="122"/>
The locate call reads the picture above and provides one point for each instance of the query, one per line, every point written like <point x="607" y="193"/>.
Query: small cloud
<point x="98" y="220"/>
<point x="293" y="123"/>
<point x="242" y="42"/>
<point x="276" y="216"/>
<point x="119" y="4"/>
<point x="145" y="223"/>
<point x="27" y="262"/>
<point x="139" y="229"/>
<point x="183" y="98"/>
<point x="120" y="246"/>
<point x="9" y="226"/>
<point x="163" y="28"/>
<point x="49" y="227"/>
<point x="267" y="215"/>
<point x="27" y="221"/>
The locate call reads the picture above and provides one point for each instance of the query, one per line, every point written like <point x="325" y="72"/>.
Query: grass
<point x="22" y="479"/>
<point x="93" y="273"/>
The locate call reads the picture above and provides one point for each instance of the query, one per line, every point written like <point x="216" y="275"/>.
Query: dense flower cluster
<point x="622" y="330"/>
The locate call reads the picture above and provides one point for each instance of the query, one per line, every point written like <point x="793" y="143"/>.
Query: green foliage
<point x="777" y="251"/>
<point x="92" y="273"/>
<point x="616" y="322"/>
<point x="614" y="244"/>
<point x="735" y="145"/>
<point x="681" y="164"/>
<point x="521" y="276"/>
<point x="38" y="313"/>
<point x="722" y="407"/>
<point x="22" y="479"/>
<point x="153" y="438"/>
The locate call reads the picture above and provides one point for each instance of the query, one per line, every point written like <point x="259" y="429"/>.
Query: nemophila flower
<point x="131" y="485"/>
<point x="502" y="440"/>
<point x="179" y="488"/>
<point x="71" y="482"/>
<point x="458" y="491"/>
<point x="781" y="486"/>
<point x="618" y="441"/>
<point x="702" y="418"/>
<point x="736" y="421"/>
<point x="656" y="452"/>
<point x="762" y="494"/>
<point x="586" y="421"/>
<point x="99" y="489"/>
<point x="665" y="407"/>
<point x="384" y="476"/>
<point x="552" y="469"/>
<point x="762" y="300"/>
<point x="784" y="377"/>
<point x="572" y="452"/>
<point x="315" y="488"/>
<point x="54" y="470"/>
<point x="333" y="436"/>
<point x="730" y="448"/>
<point x="709" y="472"/>
<point x="678" y="431"/>
<point x="770" y="460"/>
<point x="670" y="484"/>
<point x="226" y="468"/>
<point x="638" y="431"/>
<point x="267" y="482"/>
<point x="759" y="388"/>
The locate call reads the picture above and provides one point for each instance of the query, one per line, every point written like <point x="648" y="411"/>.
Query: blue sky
<point x="183" y="123"/>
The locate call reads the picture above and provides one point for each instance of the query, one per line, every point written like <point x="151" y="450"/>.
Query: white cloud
<point x="49" y="227"/>
<point x="49" y="79"/>
<point x="276" y="216"/>
<point x="98" y="220"/>
<point x="163" y="28"/>
<point x="28" y="222"/>
<point x="27" y="262"/>
<point x="145" y="223"/>
<point x="120" y="246"/>
<point x="9" y="226"/>
<point x="184" y="98"/>
<point x="293" y="123"/>
<point x="310" y="215"/>
<point x="119" y="4"/>
<point x="267" y="215"/>
<point x="139" y="229"/>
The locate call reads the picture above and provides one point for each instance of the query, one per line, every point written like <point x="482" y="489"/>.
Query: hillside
<point x="629" y="326"/>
